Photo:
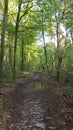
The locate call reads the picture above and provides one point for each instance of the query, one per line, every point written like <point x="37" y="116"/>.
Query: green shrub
<point x="68" y="91"/>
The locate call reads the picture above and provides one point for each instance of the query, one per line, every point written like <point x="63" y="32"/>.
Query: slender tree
<point x="18" y="19"/>
<point x="4" y="24"/>
<point x="43" y="35"/>
<point x="16" y="36"/>
<point x="22" y="54"/>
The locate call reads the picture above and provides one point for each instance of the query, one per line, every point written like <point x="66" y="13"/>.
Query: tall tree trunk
<point x="10" y="54"/>
<point x="66" y="35"/>
<point x="58" y="53"/>
<point x="3" y="36"/>
<point x="58" y="21"/>
<point x="71" y="32"/>
<point x="16" y="36"/>
<point x="16" y="31"/>
<point x="45" y="51"/>
<point x="22" y="55"/>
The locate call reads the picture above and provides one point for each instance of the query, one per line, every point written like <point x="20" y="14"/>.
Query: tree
<point x="16" y="36"/>
<point x="18" y="19"/>
<point x="43" y="35"/>
<point x="3" y="35"/>
<point x="29" y="21"/>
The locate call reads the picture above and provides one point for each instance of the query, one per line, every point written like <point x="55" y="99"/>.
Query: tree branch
<point x="26" y="11"/>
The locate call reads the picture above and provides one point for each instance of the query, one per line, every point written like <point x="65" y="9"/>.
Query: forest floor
<point x="35" y="103"/>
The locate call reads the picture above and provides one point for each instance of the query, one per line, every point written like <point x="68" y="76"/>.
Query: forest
<point x="36" y="35"/>
<point x="36" y="47"/>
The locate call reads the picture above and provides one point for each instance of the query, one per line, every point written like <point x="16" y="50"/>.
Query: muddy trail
<point x="36" y="104"/>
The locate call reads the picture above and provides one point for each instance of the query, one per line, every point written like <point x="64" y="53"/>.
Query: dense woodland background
<point x="36" y="35"/>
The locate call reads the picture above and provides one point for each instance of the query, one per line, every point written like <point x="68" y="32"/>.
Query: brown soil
<point x="57" y="109"/>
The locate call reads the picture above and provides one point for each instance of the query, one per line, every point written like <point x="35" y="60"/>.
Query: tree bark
<point x="3" y="36"/>
<point x="58" y="53"/>
<point x="10" y="53"/>
<point x="22" y="55"/>
<point x="71" y="32"/>
<point x="18" y="19"/>
<point x="45" y="51"/>
<point x="16" y="36"/>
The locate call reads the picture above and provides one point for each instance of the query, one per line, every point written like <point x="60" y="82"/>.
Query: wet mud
<point x="29" y="111"/>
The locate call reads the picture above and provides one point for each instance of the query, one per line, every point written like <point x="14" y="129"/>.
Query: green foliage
<point x="68" y="91"/>
<point x="10" y="28"/>
<point x="35" y="17"/>
<point x="21" y="74"/>
<point x="68" y="57"/>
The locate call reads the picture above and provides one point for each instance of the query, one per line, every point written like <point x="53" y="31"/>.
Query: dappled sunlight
<point x="26" y="72"/>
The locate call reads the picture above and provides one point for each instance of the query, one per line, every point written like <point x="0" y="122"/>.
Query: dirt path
<point x="36" y="104"/>
<point x="31" y="111"/>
